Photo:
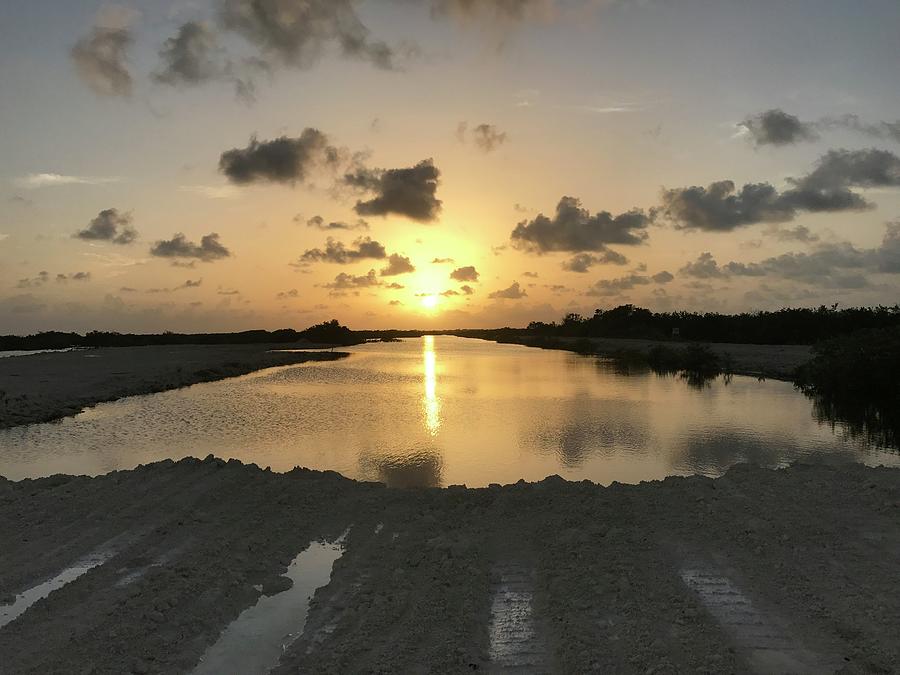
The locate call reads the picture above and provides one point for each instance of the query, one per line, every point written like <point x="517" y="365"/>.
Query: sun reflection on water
<point x="430" y="402"/>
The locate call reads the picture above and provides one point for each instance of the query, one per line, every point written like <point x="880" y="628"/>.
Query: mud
<point x="795" y="570"/>
<point x="49" y="386"/>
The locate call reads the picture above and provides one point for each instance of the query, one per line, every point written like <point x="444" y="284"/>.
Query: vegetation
<point x="329" y="332"/>
<point x="786" y="326"/>
<point x="854" y="379"/>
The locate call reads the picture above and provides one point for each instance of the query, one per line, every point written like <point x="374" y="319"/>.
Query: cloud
<point x="76" y="276"/>
<point x="212" y="191"/>
<point x="582" y="262"/>
<point x="799" y="233"/>
<point x="337" y="252"/>
<point x="487" y="137"/>
<point x="467" y="273"/>
<point x="397" y="264"/>
<point x="721" y="208"/>
<point x="466" y="289"/>
<point x="888" y="254"/>
<point x="282" y="160"/>
<point x="35" y="282"/>
<point x="407" y="192"/>
<point x="111" y="226"/>
<point x="609" y="287"/>
<point x="320" y="223"/>
<point x="704" y="267"/>
<point x="209" y="249"/>
<point x="101" y="57"/>
<point x="395" y="303"/>
<point x="187" y="58"/>
<point x="532" y="275"/>
<point x="441" y="261"/>
<point x="493" y="11"/>
<point x="663" y="277"/>
<point x="344" y="281"/>
<point x="574" y="229"/>
<point x="776" y="127"/>
<point x="37" y="180"/>
<point x="298" y="32"/>
<point x="284" y="295"/>
<point x="189" y="284"/>
<point x="514" y="292"/>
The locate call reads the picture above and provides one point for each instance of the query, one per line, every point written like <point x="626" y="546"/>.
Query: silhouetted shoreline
<point x="50" y="386"/>
<point x="625" y="574"/>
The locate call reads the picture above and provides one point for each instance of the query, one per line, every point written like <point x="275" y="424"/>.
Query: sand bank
<point x="758" y="571"/>
<point x="44" y="387"/>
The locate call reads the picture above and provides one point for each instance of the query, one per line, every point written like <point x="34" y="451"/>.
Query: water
<point x="445" y="410"/>
<point x="254" y="642"/>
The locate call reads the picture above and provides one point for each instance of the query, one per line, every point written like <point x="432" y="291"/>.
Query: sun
<point x="429" y="301"/>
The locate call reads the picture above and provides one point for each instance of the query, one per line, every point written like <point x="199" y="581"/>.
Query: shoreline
<point x="776" y="362"/>
<point x="614" y="575"/>
<point x="49" y="386"/>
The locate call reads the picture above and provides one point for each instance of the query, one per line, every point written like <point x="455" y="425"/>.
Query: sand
<point x="49" y="386"/>
<point x="796" y="570"/>
<point x="777" y="362"/>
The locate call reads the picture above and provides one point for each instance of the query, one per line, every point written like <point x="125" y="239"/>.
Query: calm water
<point x="445" y="410"/>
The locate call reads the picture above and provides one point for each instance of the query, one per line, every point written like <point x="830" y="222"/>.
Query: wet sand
<point x="761" y="571"/>
<point x="777" y="362"/>
<point x="49" y="386"/>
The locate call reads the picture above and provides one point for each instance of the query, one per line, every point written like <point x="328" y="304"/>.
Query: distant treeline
<point x="327" y="333"/>
<point x="785" y="326"/>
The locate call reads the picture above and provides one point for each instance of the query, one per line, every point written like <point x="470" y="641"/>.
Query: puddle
<point x="769" y="646"/>
<point x="514" y="641"/>
<point x="253" y="643"/>
<point x="26" y="599"/>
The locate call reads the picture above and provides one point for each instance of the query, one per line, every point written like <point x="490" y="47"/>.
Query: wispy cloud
<point x="37" y="180"/>
<point x="211" y="191"/>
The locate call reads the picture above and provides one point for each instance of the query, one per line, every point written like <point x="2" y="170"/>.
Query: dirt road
<point x="759" y="571"/>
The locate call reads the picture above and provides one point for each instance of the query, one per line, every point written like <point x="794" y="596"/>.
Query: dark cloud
<point x="189" y="58"/>
<point x="407" y="192"/>
<point x="776" y="127"/>
<point x="514" y="292"/>
<point x="101" y="59"/>
<point x="663" y="277"/>
<point x="284" y="295"/>
<point x="610" y="287"/>
<point x="487" y="137"/>
<point x="720" y="207"/>
<point x="42" y="278"/>
<point x="532" y="275"/>
<point x="190" y="284"/>
<point x="320" y="223"/>
<point x="888" y="254"/>
<point x="467" y="273"/>
<point x="881" y="130"/>
<point x="582" y="262"/>
<point x="466" y="289"/>
<point x="704" y="267"/>
<point x="337" y="252"/>
<point x="109" y="225"/>
<point x="800" y="233"/>
<point x="209" y="249"/>
<point x="449" y="293"/>
<point x="298" y="32"/>
<point x="575" y="229"/>
<point x="397" y="264"/>
<point x="282" y="160"/>
<point x="395" y="303"/>
<point x="441" y="261"/>
<point x="394" y="286"/>
<point x="76" y="276"/>
<point x="344" y="281"/>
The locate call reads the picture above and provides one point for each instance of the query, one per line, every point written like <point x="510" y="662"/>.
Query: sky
<point x="220" y="165"/>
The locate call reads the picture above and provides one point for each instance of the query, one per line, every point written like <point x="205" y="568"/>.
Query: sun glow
<point x="430" y="301"/>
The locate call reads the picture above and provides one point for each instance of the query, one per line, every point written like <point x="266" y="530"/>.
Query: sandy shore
<point x="771" y="361"/>
<point x="44" y="387"/>
<point x="759" y="571"/>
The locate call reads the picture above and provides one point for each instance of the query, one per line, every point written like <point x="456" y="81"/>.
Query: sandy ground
<point x="773" y="361"/>
<point x="44" y="387"/>
<point x="761" y="571"/>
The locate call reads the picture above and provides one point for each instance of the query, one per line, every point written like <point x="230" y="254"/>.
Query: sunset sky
<point x="211" y="165"/>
